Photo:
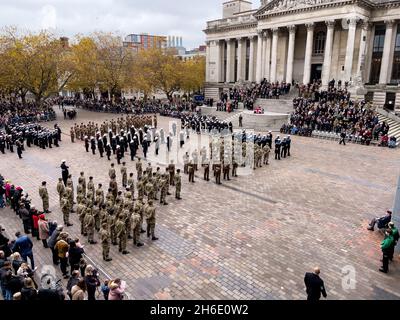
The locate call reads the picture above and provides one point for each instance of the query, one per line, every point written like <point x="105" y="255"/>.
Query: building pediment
<point x="289" y="6"/>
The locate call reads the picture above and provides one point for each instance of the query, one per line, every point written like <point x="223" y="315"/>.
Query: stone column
<point x="348" y="62"/>
<point x="240" y="75"/>
<point x="362" y="53"/>
<point x="387" y="51"/>
<point x="207" y="61"/>
<point x="326" y="68"/>
<point x="218" y="61"/>
<point x="308" y="54"/>
<point x="259" y="58"/>
<point x="267" y="55"/>
<point x="290" y="56"/>
<point x="274" y="53"/>
<point x="251" y="59"/>
<point x="229" y="61"/>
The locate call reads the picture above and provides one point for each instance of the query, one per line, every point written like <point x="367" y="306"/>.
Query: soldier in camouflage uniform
<point x="164" y="182"/>
<point x="90" y="185"/>
<point x="150" y="213"/>
<point x="71" y="183"/>
<point x="110" y="197"/>
<point x="266" y="152"/>
<point x="178" y="184"/>
<point x="81" y="209"/>
<point x="111" y="224"/>
<point x="45" y="197"/>
<point x="103" y="214"/>
<point x="140" y="188"/>
<point x="89" y="224"/>
<point x="81" y="217"/>
<point x="111" y="172"/>
<point x="79" y="194"/>
<point x="60" y="189"/>
<point x="65" y="208"/>
<point x="70" y="198"/>
<point x="136" y="223"/>
<point x="124" y="174"/>
<point x="96" y="216"/>
<point x="120" y="230"/>
<point x="82" y="182"/>
<point x="149" y="190"/>
<point x="105" y="237"/>
<point x="139" y="169"/>
<point x="131" y="185"/>
<point x="100" y="195"/>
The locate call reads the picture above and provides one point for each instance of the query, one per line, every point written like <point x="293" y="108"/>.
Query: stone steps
<point x="275" y="105"/>
<point x="211" y="93"/>
<point x="394" y="127"/>
<point x="379" y="99"/>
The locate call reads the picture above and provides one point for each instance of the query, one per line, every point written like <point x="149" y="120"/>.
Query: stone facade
<point x="355" y="41"/>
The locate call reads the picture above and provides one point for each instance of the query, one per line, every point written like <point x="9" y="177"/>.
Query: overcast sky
<point x="186" y="18"/>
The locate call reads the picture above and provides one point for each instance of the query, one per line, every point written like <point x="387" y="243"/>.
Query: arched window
<point x="319" y="43"/>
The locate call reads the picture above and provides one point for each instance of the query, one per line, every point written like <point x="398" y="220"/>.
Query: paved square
<point x="255" y="236"/>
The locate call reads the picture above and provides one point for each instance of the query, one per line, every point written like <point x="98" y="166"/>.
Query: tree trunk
<point x="23" y="97"/>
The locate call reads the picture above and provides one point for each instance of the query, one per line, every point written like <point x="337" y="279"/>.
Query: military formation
<point x="227" y="152"/>
<point x="14" y="137"/>
<point x="118" y="214"/>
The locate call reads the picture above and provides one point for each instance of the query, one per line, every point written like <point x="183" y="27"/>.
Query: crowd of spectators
<point x="333" y="110"/>
<point x="247" y="95"/>
<point x="13" y="112"/>
<point x="18" y="274"/>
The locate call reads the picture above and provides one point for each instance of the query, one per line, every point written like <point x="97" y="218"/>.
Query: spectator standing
<point x="62" y="247"/>
<point x="51" y="242"/>
<point x="29" y="292"/>
<point x="386" y="247"/>
<point x="92" y="281"/>
<point x="74" y="255"/>
<point x="78" y="290"/>
<point x="43" y="230"/>
<point x="314" y="285"/>
<point x="117" y="288"/>
<point x="24" y="246"/>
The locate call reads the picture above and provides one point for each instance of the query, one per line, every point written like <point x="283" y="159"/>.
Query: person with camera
<point x="92" y="281"/>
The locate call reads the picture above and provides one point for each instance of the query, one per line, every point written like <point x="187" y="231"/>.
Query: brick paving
<point x="255" y="236"/>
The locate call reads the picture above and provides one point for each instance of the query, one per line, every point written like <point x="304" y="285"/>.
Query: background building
<point x="355" y="41"/>
<point x="144" y="41"/>
<point x="191" y="54"/>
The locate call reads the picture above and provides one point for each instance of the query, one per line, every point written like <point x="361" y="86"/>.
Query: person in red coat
<point x="35" y="222"/>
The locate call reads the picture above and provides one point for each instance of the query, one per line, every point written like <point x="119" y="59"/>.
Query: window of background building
<point x="396" y="59"/>
<point x="377" y="51"/>
<point x="319" y="43"/>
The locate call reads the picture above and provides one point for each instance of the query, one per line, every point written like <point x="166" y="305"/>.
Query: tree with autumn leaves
<point x="44" y="65"/>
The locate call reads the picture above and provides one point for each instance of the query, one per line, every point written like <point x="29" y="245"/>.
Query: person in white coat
<point x="162" y="136"/>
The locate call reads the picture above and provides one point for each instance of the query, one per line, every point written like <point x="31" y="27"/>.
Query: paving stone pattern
<point x="253" y="237"/>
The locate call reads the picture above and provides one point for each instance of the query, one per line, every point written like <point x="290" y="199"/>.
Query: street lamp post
<point x="396" y="206"/>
